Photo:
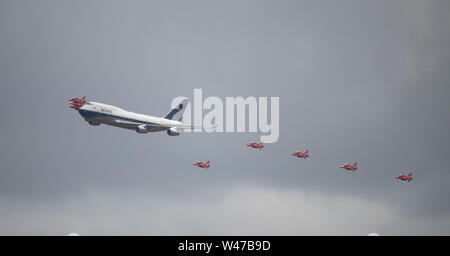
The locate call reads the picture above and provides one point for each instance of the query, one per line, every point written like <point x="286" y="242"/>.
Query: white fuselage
<point x="98" y="113"/>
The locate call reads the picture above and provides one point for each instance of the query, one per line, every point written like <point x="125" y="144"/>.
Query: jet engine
<point x="173" y="132"/>
<point x="93" y="123"/>
<point x="141" y="129"/>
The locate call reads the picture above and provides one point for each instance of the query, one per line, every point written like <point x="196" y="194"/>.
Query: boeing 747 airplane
<point x="98" y="113"/>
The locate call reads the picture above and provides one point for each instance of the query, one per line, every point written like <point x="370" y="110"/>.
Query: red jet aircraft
<point x="301" y="154"/>
<point x="404" y="177"/>
<point x="77" y="103"/>
<point x="255" y="145"/>
<point x="202" y="164"/>
<point x="350" y="167"/>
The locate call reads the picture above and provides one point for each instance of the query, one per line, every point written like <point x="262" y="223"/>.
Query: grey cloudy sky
<point x="364" y="81"/>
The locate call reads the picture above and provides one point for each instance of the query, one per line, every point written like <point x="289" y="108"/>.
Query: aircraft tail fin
<point x="176" y="113"/>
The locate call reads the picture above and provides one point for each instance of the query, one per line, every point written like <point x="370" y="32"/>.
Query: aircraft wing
<point x="149" y="127"/>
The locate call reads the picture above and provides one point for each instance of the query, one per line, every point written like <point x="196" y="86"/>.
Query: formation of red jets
<point x="304" y="155"/>
<point x="77" y="103"/>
